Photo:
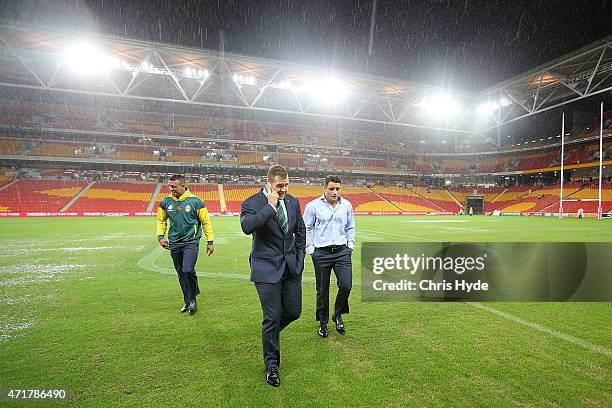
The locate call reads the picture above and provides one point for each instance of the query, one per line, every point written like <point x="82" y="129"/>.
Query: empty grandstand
<point x="79" y="150"/>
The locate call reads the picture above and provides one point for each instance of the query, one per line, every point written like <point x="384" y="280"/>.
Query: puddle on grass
<point x="16" y="314"/>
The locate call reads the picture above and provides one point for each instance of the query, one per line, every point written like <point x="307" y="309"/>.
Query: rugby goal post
<point x="600" y="178"/>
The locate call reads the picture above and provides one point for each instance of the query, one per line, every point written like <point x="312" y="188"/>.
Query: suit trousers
<point x="184" y="257"/>
<point x="281" y="303"/>
<point x="340" y="261"/>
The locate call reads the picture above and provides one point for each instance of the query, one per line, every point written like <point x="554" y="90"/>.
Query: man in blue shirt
<point x="330" y="239"/>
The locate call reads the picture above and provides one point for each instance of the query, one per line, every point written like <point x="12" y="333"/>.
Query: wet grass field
<point x="90" y="305"/>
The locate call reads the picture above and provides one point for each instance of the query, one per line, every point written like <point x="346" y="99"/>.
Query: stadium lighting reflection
<point x="329" y="90"/>
<point x="436" y="105"/>
<point x="86" y="58"/>
<point x="491" y="106"/>
<point x="196" y="73"/>
<point x="244" y="79"/>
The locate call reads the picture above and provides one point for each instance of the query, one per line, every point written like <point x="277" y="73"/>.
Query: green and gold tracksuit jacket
<point x="188" y="216"/>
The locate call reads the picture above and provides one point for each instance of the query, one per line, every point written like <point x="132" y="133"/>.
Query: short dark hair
<point x="178" y="177"/>
<point x="332" y="179"/>
<point x="277" y="171"/>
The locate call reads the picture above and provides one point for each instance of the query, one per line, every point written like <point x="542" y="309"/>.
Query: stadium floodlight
<point x="490" y="106"/>
<point x="243" y="79"/>
<point x="86" y="58"/>
<point x="329" y="90"/>
<point x="439" y="105"/>
<point x="146" y="66"/>
<point x="196" y="73"/>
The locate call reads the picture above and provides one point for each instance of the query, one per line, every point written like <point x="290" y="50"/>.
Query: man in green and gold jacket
<point x="188" y="217"/>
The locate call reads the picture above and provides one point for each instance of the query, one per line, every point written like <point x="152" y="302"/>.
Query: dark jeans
<point x="340" y="261"/>
<point x="281" y="303"/>
<point x="184" y="257"/>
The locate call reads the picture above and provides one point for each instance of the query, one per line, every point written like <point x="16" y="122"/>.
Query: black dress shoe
<point x="323" y="332"/>
<point x="272" y="377"/>
<point x="184" y="308"/>
<point x="193" y="307"/>
<point x="339" y="324"/>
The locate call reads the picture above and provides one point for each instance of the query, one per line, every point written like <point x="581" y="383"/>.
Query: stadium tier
<point x="236" y="194"/>
<point x="10" y="146"/>
<point x="114" y="151"/>
<point x="38" y="195"/>
<point x="53" y="131"/>
<point x="440" y="198"/>
<point x="52" y="116"/>
<point x="5" y="180"/>
<point x="521" y="161"/>
<point x="129" y="149"/>
<point x="435" y="200"/>
<point x="30" y="116"/>
<point x="533" y="199"/>
<point x="508" y="195"/>
<point x="406" y="200"/>
<point x="525" y="204"/>
<point x="57" y="149"/>
<point x="590" y="193"/>
<point x="248" y="158"/>
<point x="363" y="199"/>
<point x="489" y="194"/>
<point x="115" y="197"/>
<point x="209" y="193"/>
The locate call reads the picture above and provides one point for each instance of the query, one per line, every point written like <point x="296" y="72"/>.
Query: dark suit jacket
<point x="272" y="250"/>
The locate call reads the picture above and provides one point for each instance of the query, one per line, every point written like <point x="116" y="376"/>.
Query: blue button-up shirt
<point x="326" y="225"/>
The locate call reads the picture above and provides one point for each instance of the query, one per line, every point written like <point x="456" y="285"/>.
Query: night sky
<point x="464" y="44"/>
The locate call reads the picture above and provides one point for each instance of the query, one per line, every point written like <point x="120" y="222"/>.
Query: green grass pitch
<point x="91" y="305"/>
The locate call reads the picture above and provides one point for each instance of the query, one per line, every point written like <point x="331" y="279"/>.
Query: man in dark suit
<point x="274" y="219"/>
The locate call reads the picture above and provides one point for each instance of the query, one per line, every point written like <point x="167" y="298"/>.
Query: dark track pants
<point x="184" y="257"/>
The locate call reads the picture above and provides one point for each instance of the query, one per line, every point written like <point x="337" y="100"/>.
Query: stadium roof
<point x="118" y="67"/>
<point x="577" y="75"/>
<point x="163" y="72"/>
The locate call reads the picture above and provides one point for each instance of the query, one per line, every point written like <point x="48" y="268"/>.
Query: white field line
<point x="398" y="235"/>
<point x="555" y="333"/>
<point x="433" y="221"/>
<point x="147" y="263"/>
